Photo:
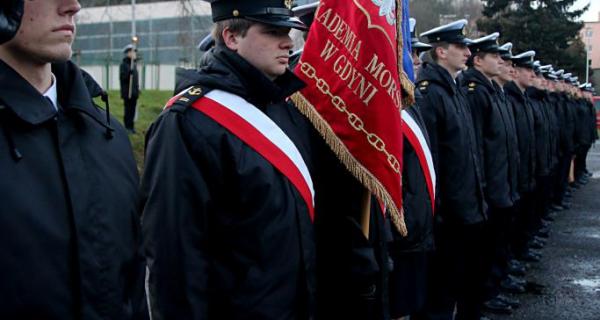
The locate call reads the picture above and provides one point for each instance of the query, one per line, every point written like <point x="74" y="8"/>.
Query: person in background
<point x="411" y="254"/>
<point x="460" y="207"/>
<point x="130" y="86"/>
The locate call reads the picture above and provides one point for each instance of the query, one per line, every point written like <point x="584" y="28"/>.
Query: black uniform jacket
<point x="128" y="71"/>
<point x="69" y="228"/>
<point x="418" y="212"/>
<point x="592" y="121"/>
<point x="584" y="135"/>
<point x="513" y="142"/>
<point x="453" y="146"/>
<point x="556" y="106"/>
<point x="526" y="135"/>
<point x="227" y="236"/>
<point x="542" y="129"/>
<point x="491" y="131"/>
<point x="570" y="110"/>
<point x="551" y="103"/>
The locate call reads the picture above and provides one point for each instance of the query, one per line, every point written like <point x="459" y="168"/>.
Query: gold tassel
<point x="348" y="160"/>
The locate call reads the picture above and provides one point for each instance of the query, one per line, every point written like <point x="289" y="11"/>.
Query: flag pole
<point x="365" y="217"/>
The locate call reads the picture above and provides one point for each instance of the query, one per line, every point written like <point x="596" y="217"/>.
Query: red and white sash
<point x="264" y="136"/>
<point x="416" y="138"/>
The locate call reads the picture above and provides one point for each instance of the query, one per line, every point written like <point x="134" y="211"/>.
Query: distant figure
<point x="130" y="85"/>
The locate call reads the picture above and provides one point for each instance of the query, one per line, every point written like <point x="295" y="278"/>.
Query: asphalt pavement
<point x="570" y="265"/>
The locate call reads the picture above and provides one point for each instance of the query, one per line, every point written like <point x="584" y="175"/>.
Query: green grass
<point x="150" y="104"/>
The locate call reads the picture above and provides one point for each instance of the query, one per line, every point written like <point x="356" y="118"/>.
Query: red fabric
<point x="346" y="44"/>
<point x="414" y="142"/>
<point x="257" y="141"/>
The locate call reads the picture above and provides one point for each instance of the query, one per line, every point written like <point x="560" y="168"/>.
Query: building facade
<point x="168" y="34"/>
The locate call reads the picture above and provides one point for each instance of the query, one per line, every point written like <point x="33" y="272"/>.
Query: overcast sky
<point x="592" y="12"/>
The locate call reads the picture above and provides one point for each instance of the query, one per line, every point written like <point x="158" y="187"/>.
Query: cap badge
<point x="464" y="31"/>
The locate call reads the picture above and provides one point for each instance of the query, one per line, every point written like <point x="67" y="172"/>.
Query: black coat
<point x="553" y="116"/>
<point x="569" y="110"/>
<point x="453" y="146"/>
<point x="525" y="134"/>
<point x="68" y="220"/>
<point x="416" y="201"/>
<point x="592" y="121"/>
<point x="128" y="71"/>
<point x="561" y="117"/>
<point x="226" y="235"/>
<point x="542" y="129"/>
<point x="514" y="160"/>
<point x="583" y="134"/>
<point x="491" y="132"/>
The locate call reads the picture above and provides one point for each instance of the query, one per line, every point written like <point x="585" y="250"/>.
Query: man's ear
<point x="477" y="60"/>
<point x="230" y="39"/>
<point x="441" y="52"/>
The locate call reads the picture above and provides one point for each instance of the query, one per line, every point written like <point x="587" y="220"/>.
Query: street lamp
<point x="588" y="36"/>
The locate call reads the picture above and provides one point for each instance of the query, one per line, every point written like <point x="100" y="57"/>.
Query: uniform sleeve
<point x="431" y="105"/>
<point x="175" y="204"/>
<point x="480" y="108"/>
<point x="123" y="72"/>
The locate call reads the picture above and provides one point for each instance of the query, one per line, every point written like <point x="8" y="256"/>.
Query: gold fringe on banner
<point x="350" y="162"/>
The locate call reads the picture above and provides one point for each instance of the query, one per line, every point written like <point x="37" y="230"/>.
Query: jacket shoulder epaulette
<point x="471" y="87"/>
<point x="188" y="97"/>
<point x="423" y="86"/>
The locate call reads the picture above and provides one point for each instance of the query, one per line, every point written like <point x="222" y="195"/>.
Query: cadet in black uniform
<point x="408" y="280"/>
<point x="129" y="80"/>
<point x="69" y="224"/>
<point x="506" y="75"/>
<point x="565" y="152"/>
<point x="542" y="128"/>
<point x="227" y="229"/>
<point x="569" y="140"/>
<point x="515" y="91"/>
<point x="584" y="135"/>
<point x="460" y="205"/>
<point x="492" y="132"/>
<point x="551" y="101"/>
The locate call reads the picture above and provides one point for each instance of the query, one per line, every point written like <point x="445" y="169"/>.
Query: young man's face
<point x="266" y="47"/>
<point x="524" y="76"/>
<point x="457" y="55"/>
<point x="416" y="61"/>
<point x="506" y="71"/>
<point x="489" y="64"/>
<point x="47" y="31"/>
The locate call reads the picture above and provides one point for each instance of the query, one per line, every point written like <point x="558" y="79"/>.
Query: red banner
<point x="352" y="66"/>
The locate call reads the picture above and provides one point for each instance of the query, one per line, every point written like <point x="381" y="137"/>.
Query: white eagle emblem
<point x="387" y="8"/>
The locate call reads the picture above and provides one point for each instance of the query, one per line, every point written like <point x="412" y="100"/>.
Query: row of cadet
<point x="509" y="138"/>
<point x="218" y="227"/>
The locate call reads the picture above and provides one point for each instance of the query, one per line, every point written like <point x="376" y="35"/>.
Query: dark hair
<point x="235" y="25"/>
<point x="436" y="45"/>
<point x="471" y="60"/>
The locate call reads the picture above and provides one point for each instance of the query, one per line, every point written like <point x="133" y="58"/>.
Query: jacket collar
<point x="228" y="71"/>
<point x="17" y="95"/>
<point x="474" y="75"/>
<point x="30" y="105"/>
<point x="433" y="72"/>
<point x="512" y="89"/>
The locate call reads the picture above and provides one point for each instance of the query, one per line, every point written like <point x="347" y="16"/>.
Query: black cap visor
<point x="420" y="45"/>
<point x="279" y="21"/>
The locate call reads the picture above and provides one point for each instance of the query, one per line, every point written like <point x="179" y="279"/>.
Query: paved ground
<point x="570" y="267"/>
